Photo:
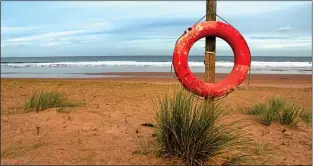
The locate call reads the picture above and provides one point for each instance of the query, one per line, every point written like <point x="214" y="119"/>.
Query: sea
<point x="95" y="66"/>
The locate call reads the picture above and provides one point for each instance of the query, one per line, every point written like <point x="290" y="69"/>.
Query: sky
<point x="109" y="28"/>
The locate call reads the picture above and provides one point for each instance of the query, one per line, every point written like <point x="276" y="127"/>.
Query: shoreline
<point x="160" y="74"/>
<point x="264" y="80"/>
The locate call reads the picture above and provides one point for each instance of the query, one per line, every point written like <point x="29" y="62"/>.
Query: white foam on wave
<point x="254" y="64"/>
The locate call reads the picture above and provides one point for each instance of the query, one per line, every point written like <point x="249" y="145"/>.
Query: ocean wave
<point x="254" y="64"/>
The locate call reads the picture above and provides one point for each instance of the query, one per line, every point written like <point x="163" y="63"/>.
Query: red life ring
<point x="239" y="46"/>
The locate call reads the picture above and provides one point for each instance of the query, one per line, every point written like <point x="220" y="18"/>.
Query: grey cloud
<point x="300" y="20"/>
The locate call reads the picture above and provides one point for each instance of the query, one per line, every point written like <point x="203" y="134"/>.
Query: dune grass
<point x="17" y="148"/>
<point x="276" y="108"/>
<point x="290" y="115"/>
<point x="41" y="100"/>
<point x="189" y="130"/>
<point x="307" y="117"/>
<point x="257" y="109"/>
<point x="267" y="115"/>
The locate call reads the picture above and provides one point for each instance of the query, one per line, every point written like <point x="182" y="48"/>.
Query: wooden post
<point x="210" y="43"/>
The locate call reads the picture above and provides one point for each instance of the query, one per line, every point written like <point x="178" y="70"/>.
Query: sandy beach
<point x="107" y="129"/>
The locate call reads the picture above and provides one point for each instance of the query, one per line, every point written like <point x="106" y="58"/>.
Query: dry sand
<point x="106" y="129"/>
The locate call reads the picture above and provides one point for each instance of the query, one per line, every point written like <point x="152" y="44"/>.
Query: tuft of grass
<point x="267" y="115"/>
<point x="189" y="130"/>
<point x="276" y="104"/>
<point x="289" y="115"/>
<point x="277" y="108"/>
<point x="257" y="109"/>
<point x="16" y="148"/>
<point x="144" y="146"/>
<point x="258" y="149"/>
<point x="307" y="117"/>
<point x="261" y="149"/>
<point x="41" y="100"/>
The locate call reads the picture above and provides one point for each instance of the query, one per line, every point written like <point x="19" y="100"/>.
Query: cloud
<point x="285" y="29"/>
<point x="85" y="29"/>
<point x="282" y="45"/>
<point x="97" y="25"/>
<point x="89" y="24"/>
<point x="254" y="42"/>
<point x="142" y="9"/>
<point x="270" y="37"/>
<point x="102" y="4"/>
<point x="49" y="44"/>
<point x="14" y="44"/>
<point x="65" y="39"/>
<point x="6" y="29"/>
<point x="261" y="43"/>
<point x="147" y="41"/>
<point x="296" y="42"/>
<point x="54" y="43"/>
<point x="58" y="39"/>
<point x="45" y="36"/>
<point x="254" y="7"/>
<point x="149" y="25"/>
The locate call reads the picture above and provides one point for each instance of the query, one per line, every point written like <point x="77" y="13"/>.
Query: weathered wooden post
<point x="210" y="44"/>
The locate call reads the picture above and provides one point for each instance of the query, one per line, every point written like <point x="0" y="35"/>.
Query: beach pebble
<point x="284" y="130"/>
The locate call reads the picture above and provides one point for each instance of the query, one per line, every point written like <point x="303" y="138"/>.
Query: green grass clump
<point x="269" y="111"/>
<point x="289" y="115"/>
<point x="307" y="117"/>
<point x="276" y="104"/>
<point x="189" y="130"/>
<point x="16" y="148"/>
<point x="257" y="109"/>
<point x="40" y="101"/>
<point x="277" y="108"/>
<point x="267" y="115"/>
